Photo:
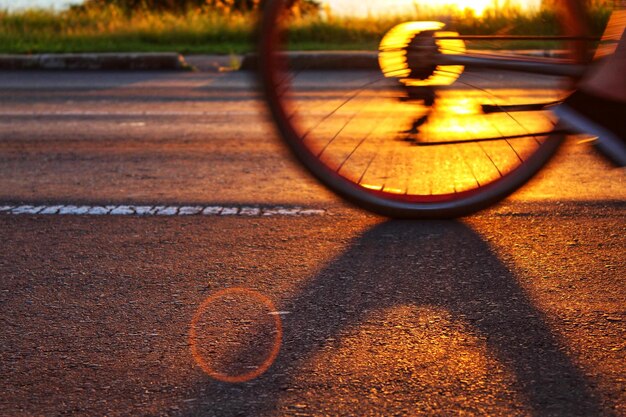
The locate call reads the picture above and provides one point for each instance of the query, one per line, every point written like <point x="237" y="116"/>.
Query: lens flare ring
<point x="205" y="365"/>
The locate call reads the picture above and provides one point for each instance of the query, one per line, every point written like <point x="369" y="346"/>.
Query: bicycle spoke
<point x="355" y="93"/>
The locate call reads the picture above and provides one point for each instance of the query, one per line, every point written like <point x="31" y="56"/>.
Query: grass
<point x="110" y="30"/>
<point x="207" y="30"/>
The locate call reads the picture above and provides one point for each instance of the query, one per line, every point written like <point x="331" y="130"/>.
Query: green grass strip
<point x="109" y="29"/>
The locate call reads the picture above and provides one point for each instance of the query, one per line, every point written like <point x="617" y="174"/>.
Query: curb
<point x="100" y="61"/>
<point x="340" y="60"/>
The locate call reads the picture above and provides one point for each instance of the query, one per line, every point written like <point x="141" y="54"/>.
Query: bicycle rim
<point x="423" y="140"/>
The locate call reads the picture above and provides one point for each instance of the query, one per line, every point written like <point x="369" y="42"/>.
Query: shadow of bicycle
<point x="423" y="314"/>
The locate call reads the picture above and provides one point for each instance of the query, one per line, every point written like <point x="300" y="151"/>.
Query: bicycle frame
<point x="612" y="34"/>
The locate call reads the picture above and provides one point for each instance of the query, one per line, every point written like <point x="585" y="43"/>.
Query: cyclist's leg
<point x="607" y="79"/>
<point x="599" y="106"/>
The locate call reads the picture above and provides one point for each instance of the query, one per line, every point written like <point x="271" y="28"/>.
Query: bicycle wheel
<point x="427" y="123"/>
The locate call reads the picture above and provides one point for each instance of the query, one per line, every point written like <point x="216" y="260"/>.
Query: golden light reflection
<point x="463" y="107"/>
<point x="384" y="144"/>
<point x="403" y="7"/>
<point x="372" y="187"/>
<point x="477" y="6"/>
<point x="430" y="350"/>
<point x="409" y="53"/>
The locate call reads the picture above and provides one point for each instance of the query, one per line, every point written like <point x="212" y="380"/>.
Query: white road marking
<point x="122" y="211"/>
<point x="190" y="211"/>
<point x="51" y="210"/>
<point x="212" y="211"/>
<point x="229" y="211"/>
<point x="76" y="210"/>
<point x="250" y="211"/>
<point x="99" y="211"/>
<point x="130" y="210"/>
<point x="145" y="210"/>
<point x="27" y="209"/>
<point x="166" y="211"/>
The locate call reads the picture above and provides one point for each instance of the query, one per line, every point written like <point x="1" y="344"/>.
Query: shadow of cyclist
<point x="441" y="265"/>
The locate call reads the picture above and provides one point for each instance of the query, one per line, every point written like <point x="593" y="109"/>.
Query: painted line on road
<point x="164" y="210"/>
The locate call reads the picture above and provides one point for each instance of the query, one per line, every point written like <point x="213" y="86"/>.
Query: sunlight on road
<point x="397" y="7"/>
<point x="430" y="348"/>
<point x="399" y="147"/>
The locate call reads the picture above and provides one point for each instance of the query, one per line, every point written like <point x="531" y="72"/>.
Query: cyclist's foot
<point x="603" y="118"/>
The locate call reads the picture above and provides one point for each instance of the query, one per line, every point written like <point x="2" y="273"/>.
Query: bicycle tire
<point x="465" y="193"/>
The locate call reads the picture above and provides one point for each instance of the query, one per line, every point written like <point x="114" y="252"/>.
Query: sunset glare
<point x="398" y="7"/>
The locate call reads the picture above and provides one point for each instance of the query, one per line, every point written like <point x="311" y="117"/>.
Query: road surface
<point x="258" y="293"/>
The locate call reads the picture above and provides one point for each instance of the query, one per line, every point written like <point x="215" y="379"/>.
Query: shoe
<point x="597" y="116"/>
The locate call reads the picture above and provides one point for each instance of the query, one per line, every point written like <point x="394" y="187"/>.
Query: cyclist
<point x="599" y="105"/>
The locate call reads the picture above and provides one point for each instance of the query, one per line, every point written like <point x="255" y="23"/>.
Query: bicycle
<point x="435" y="124"/>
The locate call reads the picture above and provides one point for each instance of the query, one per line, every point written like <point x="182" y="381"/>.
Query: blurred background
<point x="226" y="26"/>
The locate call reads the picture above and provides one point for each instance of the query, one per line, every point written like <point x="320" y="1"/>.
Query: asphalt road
<point x="519" y="310"/>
